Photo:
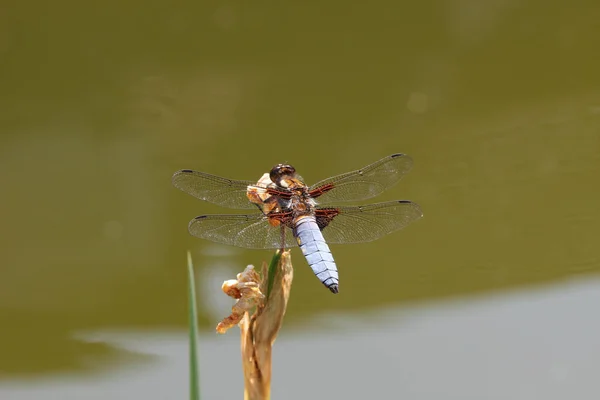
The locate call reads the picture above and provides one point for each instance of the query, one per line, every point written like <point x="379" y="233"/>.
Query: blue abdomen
<point x="317" y="253"/>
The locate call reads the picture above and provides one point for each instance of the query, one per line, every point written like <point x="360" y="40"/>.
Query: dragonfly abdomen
<point x="316" y="251"/>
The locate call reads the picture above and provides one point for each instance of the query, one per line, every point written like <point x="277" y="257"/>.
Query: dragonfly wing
<point x="364" y="183"/>
<point x="214" y="189"/>
<point x="366" y="223"/>
<point x="249" y="231"/>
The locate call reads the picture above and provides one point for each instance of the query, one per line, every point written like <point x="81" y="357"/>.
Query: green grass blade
<point x="193" y="329"/>
<point x="272" y="270"/>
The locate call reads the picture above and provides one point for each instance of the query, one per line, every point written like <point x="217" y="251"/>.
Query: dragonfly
<point x="288" y="213"/>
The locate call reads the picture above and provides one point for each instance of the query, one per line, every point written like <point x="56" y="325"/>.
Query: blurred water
<point x="536" y="344"/>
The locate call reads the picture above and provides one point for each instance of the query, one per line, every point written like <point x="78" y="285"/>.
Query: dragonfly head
<point x="281" y="173"/>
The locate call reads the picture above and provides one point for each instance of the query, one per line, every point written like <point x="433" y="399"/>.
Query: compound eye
<point x="281" y="171"/>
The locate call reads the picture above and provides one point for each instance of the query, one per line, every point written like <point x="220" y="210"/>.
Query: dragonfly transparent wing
<point x="364" y="183"/>
<point x="221" y="191"/>
<point x="366" y="223"/>
<point x="248" y="231"/>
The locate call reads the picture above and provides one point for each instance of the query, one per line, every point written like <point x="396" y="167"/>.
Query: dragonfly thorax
<point x="300" y="203"/>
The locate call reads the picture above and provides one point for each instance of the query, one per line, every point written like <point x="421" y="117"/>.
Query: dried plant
<point x="261" y="303"/>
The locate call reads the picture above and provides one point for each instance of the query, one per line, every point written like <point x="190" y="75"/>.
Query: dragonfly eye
<point x="281" y="171"/>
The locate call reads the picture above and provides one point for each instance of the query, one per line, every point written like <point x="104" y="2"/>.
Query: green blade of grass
<point x="272" y="270"/>
<point x="193" y="330"/>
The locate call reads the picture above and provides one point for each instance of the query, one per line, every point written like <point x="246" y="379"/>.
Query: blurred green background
<point x="497" y="102"/>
